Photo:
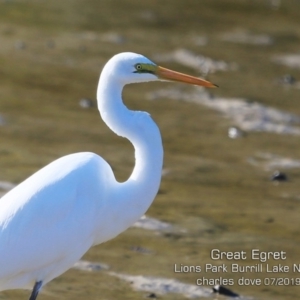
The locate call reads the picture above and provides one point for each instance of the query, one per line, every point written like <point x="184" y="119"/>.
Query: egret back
<point x="51" y="218"/>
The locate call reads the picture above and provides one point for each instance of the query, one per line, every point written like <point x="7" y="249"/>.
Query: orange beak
<point x="167" y="74"/>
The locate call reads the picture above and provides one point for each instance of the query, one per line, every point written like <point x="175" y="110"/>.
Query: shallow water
<point x="216" y="191"/>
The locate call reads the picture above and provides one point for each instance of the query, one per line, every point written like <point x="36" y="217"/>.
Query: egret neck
<point x="137" y="193"/>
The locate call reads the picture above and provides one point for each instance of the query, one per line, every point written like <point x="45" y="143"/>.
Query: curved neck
<point x="137" y="193"/>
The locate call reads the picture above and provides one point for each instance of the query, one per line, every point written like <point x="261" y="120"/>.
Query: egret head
<point x="131" y="67"/>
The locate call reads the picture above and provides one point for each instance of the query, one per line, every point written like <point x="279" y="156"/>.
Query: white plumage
<point x="51" y="219"/>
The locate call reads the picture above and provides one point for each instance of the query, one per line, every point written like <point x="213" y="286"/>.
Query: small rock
<point x="278" y="176"/>
<point x="86" y="103"/>
<point x="221" y="290"/>
<point x="151" y="295"/>
<point x="234" y="133"/>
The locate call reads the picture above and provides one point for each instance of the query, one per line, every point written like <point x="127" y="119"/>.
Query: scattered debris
<point x="152" y="224"/>
<point x="287" y="79"/>
<point x="140" y="249"/>
<point x="157" y="285"/>
<point x="84" y="265"/>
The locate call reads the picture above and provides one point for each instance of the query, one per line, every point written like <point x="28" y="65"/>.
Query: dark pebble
<point x="219" y="289"/>
<point x="278" y="176"/>
<point x="151" y="295"/>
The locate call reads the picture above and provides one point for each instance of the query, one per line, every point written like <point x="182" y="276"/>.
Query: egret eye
<point x="138" y="67"/>
<point x="144" y="68"/>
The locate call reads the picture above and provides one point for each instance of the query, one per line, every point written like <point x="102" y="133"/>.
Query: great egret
<point x="52" y="218"/>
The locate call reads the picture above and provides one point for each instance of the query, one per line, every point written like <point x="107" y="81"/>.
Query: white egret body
<point x="50" y="220"/>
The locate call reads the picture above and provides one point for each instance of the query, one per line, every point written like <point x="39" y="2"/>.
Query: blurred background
<point x="231" y="171"/>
